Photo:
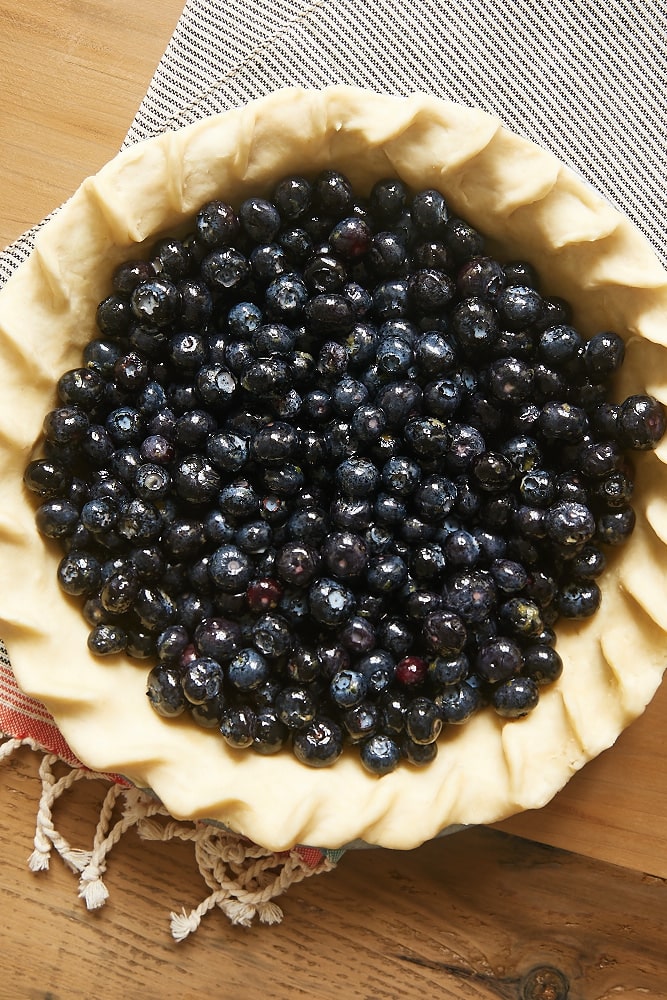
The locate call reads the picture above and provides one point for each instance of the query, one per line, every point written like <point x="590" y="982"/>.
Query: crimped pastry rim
<point x="528" y="204"/>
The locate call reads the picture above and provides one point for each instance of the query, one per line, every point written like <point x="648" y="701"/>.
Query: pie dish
<point x="529" y="206"/>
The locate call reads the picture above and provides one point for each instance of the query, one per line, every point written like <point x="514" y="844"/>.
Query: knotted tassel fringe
<point x="244" y="878"/>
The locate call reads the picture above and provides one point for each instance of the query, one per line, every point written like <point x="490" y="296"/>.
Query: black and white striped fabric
<point x="584" y="78"/>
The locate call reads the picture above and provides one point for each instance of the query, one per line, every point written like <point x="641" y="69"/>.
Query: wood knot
<point x="545" y="983"/>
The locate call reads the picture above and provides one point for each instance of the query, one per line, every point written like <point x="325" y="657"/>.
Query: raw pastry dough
<point x="530" y="206"/>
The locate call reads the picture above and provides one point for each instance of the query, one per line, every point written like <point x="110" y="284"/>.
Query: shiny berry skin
<point x="202" y="680"/>
<point x="107" y="640"/>
<point x="515" y="697"/>
<point x="380" y="754"/>
<point x="458" y="703"/>
<point x="569" y="523"/>
<point x="237" y="726"/>
<point x="269" y="734"/>
<point x="56" y="518"/>
<point x="615" y="527"/>
<point x="542" y="663"/>
<point x="519" y="305"/>
<point x="295" y="707"/>
<point x="444" y="633"/>
<point x="350" y="238"/>
<point x="79" y="573"/>
<point x="218" y="638"/>
<point x="264" y="594"/>
<point x="498" y="659"/>
<point x="423" y="721"/>
<point x="331" y="603"/>
<point x="165" y="691"/>
<point x="271" y="635"/>
<point x="641" y="422"/>
<point x="344" y="554"/>
<point x="318" y="744"/>
<point x="347" y="688"/>
<point x="411" y="671"/>
<point x="248" y="670"/>
<point x="445" y="671"/>
<point x="471" y="595"/>
<point x="604" y="354"/>
<point x="579" y="599"/>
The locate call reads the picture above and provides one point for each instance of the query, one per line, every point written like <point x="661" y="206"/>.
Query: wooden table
<point x="482" y="914"/>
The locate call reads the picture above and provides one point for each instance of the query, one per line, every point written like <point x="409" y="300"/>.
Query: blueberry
<point x="604" y="354"/>
<point x="350" y="238"/>
<point x="578" y="599"/>
<point x="498" y="659"/>
<point x="65" y="425"/>
<point x="272" y="636"/>
<point x="57" y="518"/>
<point x="380" y="754"/>
<point x="331" y="603"/>
<point x="202" y="680"/>
<point x="361" y="721"/>
<point x="569" y="523"/>
<point x="559" y="345"/>
<point x="79" y="573"/>
<point x="357" y="478"/>
<point x="332" y="193"/>
<point x="515" y="697"/>
<point x="318" y="744"/>
<point x="519" y="305"/>
<point x="401" y="475"/>
<point x="386" y="573"/>
<point x="444" y="633"/>
<point x="237" y="726"/>
<point x="165" y="692"/>
<point x="216" y="224"/>
<point x="274" y="444"/>
<point x="445" y="671"/>
<point x="429" y="211"/>
<point x="458" y="702"/>
<point x="347" y="688"/>
<point x="471" y="595"/>
<point x="295" y="707"/>
<point x="542" y="663"/>
<point x="156" y="302"/>
<point x="107" y="640"/>
<point x="388" y="199"/>
<point x="248" y="670"/>
<point x="641" y="422"/>
<point x="217" y="638"/>
<point x="481" y="277"/>
<point x="270" y="733"/>
<point x="328" y="315"/>
<point x="172" y="643"/>
<point x="615" y="527"/>
<point x="423" y="721"/>
<point x="230" y="568"/>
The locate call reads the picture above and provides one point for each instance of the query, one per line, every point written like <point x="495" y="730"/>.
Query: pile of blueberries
<point x="336" y="473"/>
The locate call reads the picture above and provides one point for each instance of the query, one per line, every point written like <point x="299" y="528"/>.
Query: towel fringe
<point x="243" y="878"/>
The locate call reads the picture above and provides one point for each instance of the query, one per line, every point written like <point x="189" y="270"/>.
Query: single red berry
<point x="411" y="670"/>
<point x="264" y="594"/>
<point x="188" y="655"/>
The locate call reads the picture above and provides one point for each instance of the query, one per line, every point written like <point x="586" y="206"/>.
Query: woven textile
<point x="584" y="78"/>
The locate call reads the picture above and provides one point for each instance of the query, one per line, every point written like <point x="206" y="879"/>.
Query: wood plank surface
<point x="480" y="915"/>
<point x="468" y="916"/>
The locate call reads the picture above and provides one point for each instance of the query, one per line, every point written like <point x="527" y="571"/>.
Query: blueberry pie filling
<point x="336" y="473"/>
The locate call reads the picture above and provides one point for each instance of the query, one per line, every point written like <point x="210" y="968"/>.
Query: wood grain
<point x="466" y="917"/>
<point x="471" y="916"/>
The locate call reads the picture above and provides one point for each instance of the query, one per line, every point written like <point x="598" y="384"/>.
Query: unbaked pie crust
<point x="529" y="206"/>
